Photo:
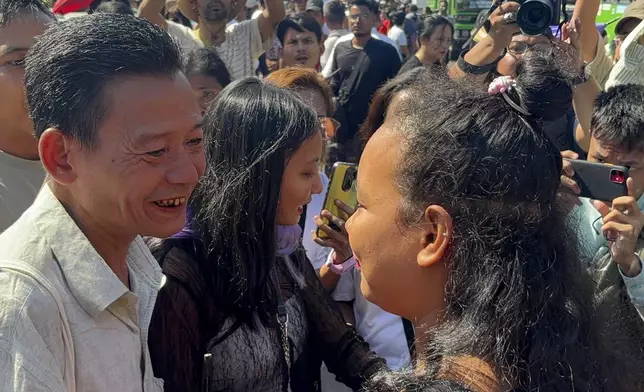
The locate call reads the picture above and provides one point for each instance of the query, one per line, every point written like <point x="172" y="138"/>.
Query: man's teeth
<point x="171" y="202"/>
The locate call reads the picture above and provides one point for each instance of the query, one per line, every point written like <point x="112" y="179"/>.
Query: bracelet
<point x="476" y="69"/>
<point x="343" y="268"/>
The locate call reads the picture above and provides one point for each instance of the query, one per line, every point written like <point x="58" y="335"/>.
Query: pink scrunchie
<point x="501" y="85"/>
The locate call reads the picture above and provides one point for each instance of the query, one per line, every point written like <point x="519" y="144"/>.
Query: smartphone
<point x="599" y="181"/>
<point x="342" y="186"/>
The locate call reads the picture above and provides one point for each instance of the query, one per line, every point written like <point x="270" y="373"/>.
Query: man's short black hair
<point x="413" y="8"/>
<point x="369" y="4"/>
<point x="398" y="18"/>
<point x="70" y="67"/>
<point x="206" y="62"/>
<point x="12" y="9"/>
<point x="335" y="11"/>
<point x="618" y="117"/>
<point x="115" y="7"/>
<point x="300" y="22"/>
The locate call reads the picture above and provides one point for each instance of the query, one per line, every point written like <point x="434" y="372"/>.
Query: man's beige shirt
<point x="109" y="323"/>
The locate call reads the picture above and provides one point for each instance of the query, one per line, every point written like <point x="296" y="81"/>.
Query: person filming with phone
<point x="610" y="230"/>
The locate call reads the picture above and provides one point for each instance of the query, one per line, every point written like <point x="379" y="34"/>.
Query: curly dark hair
<point x="518" y="298"/>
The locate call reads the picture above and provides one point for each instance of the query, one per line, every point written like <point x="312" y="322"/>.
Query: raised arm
<point x="150" y="10"/>
<point x="273" y="14"/>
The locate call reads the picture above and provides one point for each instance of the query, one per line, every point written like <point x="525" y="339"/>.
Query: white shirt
<point x="243" y="45"/>
<point x="315" y="253"/>
<point x="329" y="44"/>
<point x="109" y="323"/>
<point x="20" y="181"/>
<point x="397" y="35"/>
<point x="327" y="71"/>
<point x="382" y="330"/>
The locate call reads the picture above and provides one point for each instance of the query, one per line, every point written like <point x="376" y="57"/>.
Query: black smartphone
<point x="599" y="181"/>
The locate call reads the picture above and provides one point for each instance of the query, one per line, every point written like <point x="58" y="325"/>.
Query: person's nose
<point x="317" y="185"/>
<point x="187" y="168"/>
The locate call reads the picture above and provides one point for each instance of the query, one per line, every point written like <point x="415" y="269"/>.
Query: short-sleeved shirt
<point x="240" y="50"/>
<point x="397" y="35"/>
<point x="108" y="322"/>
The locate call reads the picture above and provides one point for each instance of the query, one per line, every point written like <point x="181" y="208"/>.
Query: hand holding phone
<point x="597" y="181"/>
<point x="336" y="236"/>
<point x="622" y="223"/>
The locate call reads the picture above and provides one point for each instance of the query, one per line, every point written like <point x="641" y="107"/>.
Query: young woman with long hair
<point x="239" y="285"/>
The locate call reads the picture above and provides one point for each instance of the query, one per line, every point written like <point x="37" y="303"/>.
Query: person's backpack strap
<point x="70" y="358"/>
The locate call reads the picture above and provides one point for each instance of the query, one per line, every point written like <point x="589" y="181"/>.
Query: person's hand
<point x="623" y="221"/>
<point x="338" y="240"/>
<point x="503" y="24"/>
<point x="571" y="33"/>
<point x="569" y="190"/>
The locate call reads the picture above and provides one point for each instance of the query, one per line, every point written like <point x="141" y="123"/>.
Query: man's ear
<point x="436" y="235"/>
<point x="54" y="150"/>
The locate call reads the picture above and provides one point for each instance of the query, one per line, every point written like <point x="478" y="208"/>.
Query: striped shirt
<point x="240" y="50"/>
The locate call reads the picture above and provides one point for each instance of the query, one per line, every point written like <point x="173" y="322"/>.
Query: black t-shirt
<point x="411" y="63"/>
<point x="381" y="63"/>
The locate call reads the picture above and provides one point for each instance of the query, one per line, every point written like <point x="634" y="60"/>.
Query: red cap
<point x="63" y="7"/>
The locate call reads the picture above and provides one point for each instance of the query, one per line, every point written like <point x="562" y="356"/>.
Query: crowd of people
<point x="164" y="167"/>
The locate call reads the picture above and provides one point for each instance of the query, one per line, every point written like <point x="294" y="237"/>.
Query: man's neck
<point x="212" y="33"/>
<point x="334" y="26"/>
<point x="360" y="42"/>
<point x="112" y="248"/>
<point x="20" y="147"/>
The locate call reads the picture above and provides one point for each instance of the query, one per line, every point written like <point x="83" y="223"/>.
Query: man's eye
<point x="18" y="63"/>
<point x="156" y="153"/>
<point x="195" y="142"/>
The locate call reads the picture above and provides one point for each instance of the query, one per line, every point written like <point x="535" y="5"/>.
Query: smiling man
<point x="119" y="134"/>
<point x="301" y="38"/>
<point x="21" y="173"/>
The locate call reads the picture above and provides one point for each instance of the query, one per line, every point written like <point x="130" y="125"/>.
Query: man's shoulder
<point x="383" y="45"/>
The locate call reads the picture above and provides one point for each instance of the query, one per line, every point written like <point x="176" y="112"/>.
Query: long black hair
<point x="517" y="296"/>
<point x="250" y="132"/>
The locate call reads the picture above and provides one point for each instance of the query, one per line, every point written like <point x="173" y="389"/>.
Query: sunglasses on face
<point x="328" y="126"/>
<point x="518" y="47"/>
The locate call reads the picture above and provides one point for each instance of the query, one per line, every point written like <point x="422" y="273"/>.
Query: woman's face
<point x="391" y="255"/>
<point x="519" y="46"/>
<point x="301" y="179"/>
<point x="437" y="45"/>
<point x="206" y="89"/>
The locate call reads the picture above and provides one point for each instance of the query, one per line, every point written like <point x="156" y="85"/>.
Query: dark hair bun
<point x="544" y="81"/>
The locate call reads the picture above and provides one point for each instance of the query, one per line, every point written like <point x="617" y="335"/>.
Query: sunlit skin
<point x="148" y="151"/>
<point x="301" y="180"/>
<point x="435" y="47"/>
<point x="301" y="49"/>
<point x="401" y="265"/>
<point x="16" y="38"/>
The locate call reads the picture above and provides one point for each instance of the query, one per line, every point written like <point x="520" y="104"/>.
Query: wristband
<point x="343" y="268"/>
<point x="476" y="69"/>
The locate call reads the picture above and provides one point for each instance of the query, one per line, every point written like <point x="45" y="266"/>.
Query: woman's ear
<point x="436" y="235"/>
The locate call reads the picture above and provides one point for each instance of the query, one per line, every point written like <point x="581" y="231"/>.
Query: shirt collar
<point x="90" y="280"/>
